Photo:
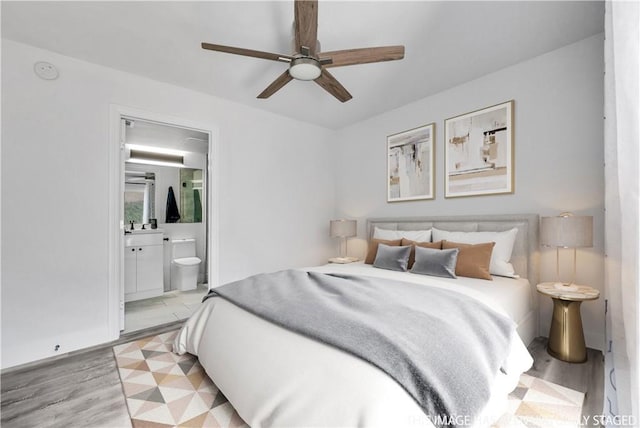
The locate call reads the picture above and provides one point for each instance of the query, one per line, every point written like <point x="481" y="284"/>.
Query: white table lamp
<point x="343" y="229"/>
<point x="566" y="231"/>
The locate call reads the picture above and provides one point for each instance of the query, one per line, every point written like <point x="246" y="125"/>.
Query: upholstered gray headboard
<point x="525" y="250"/>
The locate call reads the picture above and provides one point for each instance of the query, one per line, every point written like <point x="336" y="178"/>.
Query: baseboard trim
<point x="124" y="338"/>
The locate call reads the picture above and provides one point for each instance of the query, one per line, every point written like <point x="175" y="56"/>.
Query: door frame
<point x="115" y="227"/>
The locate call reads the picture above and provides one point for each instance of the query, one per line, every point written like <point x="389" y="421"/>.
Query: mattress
<point x="275" y="377"/>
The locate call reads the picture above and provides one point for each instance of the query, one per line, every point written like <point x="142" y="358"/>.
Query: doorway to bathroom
<point x="164" y="251"/>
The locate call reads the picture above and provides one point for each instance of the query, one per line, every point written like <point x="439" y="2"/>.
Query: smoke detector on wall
<point x="45" y="70"/>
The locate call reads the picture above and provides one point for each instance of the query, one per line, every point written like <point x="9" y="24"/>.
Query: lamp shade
<point x="342" y="228"/>
<point x="567" y="231"/>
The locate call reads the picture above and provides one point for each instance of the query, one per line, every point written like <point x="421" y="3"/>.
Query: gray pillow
<point x="434" y="262"/>
<point x="392" y="258"/>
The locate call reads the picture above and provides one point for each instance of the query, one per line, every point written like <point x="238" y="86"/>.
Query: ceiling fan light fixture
<point x="305" y="68"/>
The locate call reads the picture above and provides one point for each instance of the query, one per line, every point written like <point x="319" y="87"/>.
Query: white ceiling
<point x="447" y="43"/>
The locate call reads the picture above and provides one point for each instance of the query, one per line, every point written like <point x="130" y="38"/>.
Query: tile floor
<point x="171" y="306"/>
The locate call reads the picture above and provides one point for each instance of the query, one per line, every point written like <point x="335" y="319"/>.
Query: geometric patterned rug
<point x="164" y="389"/>
<point x="168" y="390"/>
<point x="536" y="403"/>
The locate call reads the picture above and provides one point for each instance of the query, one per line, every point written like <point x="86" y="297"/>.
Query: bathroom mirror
<point x="142" y="201"/>
<point x="191" y="195"/>
<point x="139" y="196"/>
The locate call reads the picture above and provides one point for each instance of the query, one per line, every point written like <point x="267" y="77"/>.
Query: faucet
<point x="131" y="223"/>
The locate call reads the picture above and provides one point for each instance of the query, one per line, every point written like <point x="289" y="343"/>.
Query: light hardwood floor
<point x="83" y="389"/>
<point x="80" y="390"/>
<point x="587" y="377"/>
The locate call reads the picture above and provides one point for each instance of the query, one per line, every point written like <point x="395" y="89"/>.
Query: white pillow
<point x="501" y="252"/>
<point x="413" y="235"/>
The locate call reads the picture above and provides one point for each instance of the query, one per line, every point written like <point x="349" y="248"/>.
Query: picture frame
<point x="479" y="152"/>
<point x="410" y="164"/>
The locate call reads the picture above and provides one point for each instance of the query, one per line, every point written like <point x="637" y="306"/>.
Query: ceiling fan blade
<point x="282" y="80"/>
<point x="306" y="24"/>
<point x="363" y="56"/>
<point x="331" y="85"/>
<point x="247" y="52"/>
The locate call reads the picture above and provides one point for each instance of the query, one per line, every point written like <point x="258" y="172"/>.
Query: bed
<point x="276" y="377"/>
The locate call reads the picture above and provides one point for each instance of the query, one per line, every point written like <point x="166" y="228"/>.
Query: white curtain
<point x="622" y="242"/>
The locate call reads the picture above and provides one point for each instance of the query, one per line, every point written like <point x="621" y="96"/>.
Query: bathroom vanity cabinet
<point x="143" y="258"/>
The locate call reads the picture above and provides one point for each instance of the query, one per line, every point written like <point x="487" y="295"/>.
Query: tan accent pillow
<point x="373" y="248"/>
<point x="473" y="259"/>
<point x="412" y="256"/>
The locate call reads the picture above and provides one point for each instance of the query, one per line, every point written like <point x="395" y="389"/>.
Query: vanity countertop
<point x="143" y="231"/>
<point x="143" y="237"/>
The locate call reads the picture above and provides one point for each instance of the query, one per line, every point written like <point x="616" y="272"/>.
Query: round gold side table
<point x="566" y="338"/>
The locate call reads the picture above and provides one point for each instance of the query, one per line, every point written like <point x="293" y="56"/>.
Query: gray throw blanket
<point x="443" y="348"/>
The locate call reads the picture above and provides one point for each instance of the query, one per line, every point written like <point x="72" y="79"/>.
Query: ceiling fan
<point x="307" y="63"/>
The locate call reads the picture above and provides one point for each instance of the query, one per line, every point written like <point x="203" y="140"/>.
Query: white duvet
<point x="275" y="377"/>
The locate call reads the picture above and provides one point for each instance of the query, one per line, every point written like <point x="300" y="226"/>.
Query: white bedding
<point x="274" y="377"/>
<point x="512" y="295"/>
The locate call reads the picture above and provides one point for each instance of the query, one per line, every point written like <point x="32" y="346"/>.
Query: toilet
<point x="184" y="264"/>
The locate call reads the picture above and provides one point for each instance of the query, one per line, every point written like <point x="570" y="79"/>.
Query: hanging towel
<point x="197" y="207"/>
<point x="173" y="215"/>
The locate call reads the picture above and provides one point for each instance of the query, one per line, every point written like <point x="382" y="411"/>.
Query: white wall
<point x="276" y="196"/>
<point x="558" y="157"/>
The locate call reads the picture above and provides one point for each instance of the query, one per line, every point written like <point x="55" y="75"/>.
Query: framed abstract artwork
<point x="479" y="152"/>
<point x="410" y="164"/>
